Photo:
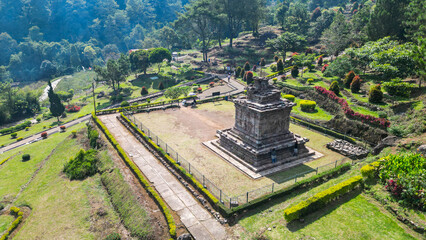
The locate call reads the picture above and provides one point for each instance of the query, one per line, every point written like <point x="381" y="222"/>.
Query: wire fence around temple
<point x="226" y="199"/>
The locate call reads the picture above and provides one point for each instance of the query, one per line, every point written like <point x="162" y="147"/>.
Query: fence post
<point x="157" y="141"/>
<point x="247" y="196"/>
<point x="220" y="195"/>
<point x="295" y="179"/>
<point x="230" y="202"/>
<point x="204" y="182"/>
<point x="166" y="149"/>
<point x="316" y="171"/>
<point x="177" y="158"/>
<point x="335" y="164"/>
<point x="272" y="187"/>
<point x="189" y="164"/>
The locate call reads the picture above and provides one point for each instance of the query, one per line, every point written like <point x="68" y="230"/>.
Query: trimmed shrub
<point x="247" y="66"/>
<point x="83" y="165"/>
<point x="262" y="62"/>
<point x="307" y="105"/>
<point x="289" y="97"/>
<point x="254" y="68"/>
<point x="238" y="71"/>
<point x="124" y="104"/>
<point x="27" y="128"/>
<point x="92" y="135"/>
<point x="382" y="114"/>
<point x="280" y="65"/>
<point x="274" y="80"/>
<point x="294" y="71"/>
<point x="62" y="127"/>
<point x="310" y="81"/>
<point x="113" y="236"/>
<point x="335" y="87"/>
<point x="398" y="88"/>
<point x="19" y="139"/>
<point x="356" y="84"/>
<point x="249" y="77"/>
<point x="161" y="86"/>
<point x="376" y="94"/>
<point x="38" y="119"/>
<point x="370" y="170"/>
<point x="348" y="79"/>
<point x="242" y="73"/>
<point x="13" y="135"/>
<point x="321" y="199"/>
<point x="72" y="108"/>
<point x="273" y="67"/>
<point x="74" y="133"/>
<point x="320" y="61"/>
<point x="26" y="157"/>
<point x="276" y="58"/>
<point x="144" y="91"/>
<point x="324" y="68"/>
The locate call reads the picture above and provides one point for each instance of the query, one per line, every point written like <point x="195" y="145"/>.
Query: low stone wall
<point x="347" y="149"/>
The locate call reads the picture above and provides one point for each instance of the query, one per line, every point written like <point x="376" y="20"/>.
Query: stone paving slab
<point x="196" y="219"/>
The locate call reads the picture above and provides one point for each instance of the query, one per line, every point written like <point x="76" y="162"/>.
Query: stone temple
<point x="260" y="138"/>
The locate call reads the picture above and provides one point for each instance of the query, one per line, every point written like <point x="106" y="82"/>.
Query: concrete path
<point x="232" y="87"/>
<point x="36" y="137"/>
<point x="195" y="218"/>
<point x="46" y="89"/>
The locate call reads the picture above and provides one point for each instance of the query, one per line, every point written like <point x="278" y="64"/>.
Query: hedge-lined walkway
<point x="196" y="219"/>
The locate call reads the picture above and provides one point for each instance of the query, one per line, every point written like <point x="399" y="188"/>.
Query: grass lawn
<point x="318" y="114"/>
<point x="79" y="81"/>
<point x="5" y="221"/>
<point x="61" y="209"/>
<point x="186" y="129"/>
<point x="353" y="217"/>
<point x="14" y="173"/>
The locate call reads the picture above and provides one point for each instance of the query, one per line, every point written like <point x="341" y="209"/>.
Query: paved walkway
<point x="195" y="218"/>
<point x="36" y="137"/>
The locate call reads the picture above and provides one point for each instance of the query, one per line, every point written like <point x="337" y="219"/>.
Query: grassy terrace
<point x="5" y="221"/>
<point x="60" y="208"/>
<point x="318" y="114"/>
<point x="186" y="129"/>
<point x="355" y="216"/>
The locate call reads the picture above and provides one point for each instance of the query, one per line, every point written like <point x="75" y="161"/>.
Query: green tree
<point x="303" y="60"/>
<point x="282" y="12"/>
<point x="74" y="57"/>
<point x="288" y="41"/>
<point x="235" y="12"/>
<point x="280" y="65"/>
<point x="173" y="93"/>
<point x="199" y="19"/>
<point x="336" y="37"/>
<point x="56" y="106"/>
<point x="386" y="19"/>
<point x="348" y="78"/>
<point x="355" y="84"/>
<point x="376" y="94"/>
<point x="419" y="56"/>
<point x="115" y="72"/>
<point x="144" y="91"/>
<point x="139" y="61"/>
<point x="158" y="55"/>
<point x="334" y="87"/>
<point x="415" y="19"/>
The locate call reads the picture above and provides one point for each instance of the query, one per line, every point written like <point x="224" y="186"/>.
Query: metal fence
<point x="224" y="198"/>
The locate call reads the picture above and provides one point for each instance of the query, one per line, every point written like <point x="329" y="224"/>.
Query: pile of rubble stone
<point x="347" y="149"/>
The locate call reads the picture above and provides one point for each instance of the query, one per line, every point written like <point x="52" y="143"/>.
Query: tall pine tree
<point x="56" y="106"/>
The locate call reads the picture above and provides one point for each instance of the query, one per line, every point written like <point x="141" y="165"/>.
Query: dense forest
<point x="42" y="39"/>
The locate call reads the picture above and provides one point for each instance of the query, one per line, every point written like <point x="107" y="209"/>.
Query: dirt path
<point x="195" y="218"/>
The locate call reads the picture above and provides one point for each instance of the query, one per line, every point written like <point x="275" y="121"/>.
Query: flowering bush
<point x="356" y="84"/>
<point x="72" y="108"/>
<point x="199" y="89"/>
<point x="62" y="128"/>
<point x="295" y="53"/>
<point x="320" y="60"/>
<point x="211" y="84"/>
<point x="324" y="68"/>
<point x="404" y="175"/>
<point x="44" y="134"/>
<point x="379" y="122"/>
<point x="348" y="78"/>
<point x="249" y="77"/>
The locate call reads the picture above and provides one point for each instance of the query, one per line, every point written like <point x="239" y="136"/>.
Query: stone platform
<point x="264" y="170"/>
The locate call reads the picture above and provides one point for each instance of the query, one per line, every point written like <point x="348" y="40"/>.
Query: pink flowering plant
<point x="379" y="122"/>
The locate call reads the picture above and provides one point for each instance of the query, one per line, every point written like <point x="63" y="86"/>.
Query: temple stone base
<point x="264" y="170"/>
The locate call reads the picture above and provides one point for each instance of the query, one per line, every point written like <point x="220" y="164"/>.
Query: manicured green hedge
<point x="16" y="128"/>
<point x="321" y="199"/>
<point x="140" y="176"/>
<point x="303" y="184"/>
<point x="289" y="97"/>
<point x="17" y="213"/>
<point x="307" y="105"/>
<point x="325" y="130"/>
<point x="4" y="160"/>
<point x="370" y="170"/>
